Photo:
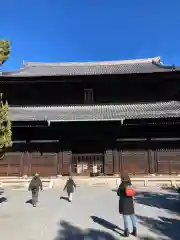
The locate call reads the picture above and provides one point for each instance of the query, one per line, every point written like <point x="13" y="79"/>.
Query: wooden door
<point x="168" y="161"/>
<point x="135" y="162"/>
<point x="83" y="163"/>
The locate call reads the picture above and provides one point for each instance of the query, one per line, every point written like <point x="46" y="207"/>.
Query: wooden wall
<point x="135" y="162"/>
<point x="70" y="89"/>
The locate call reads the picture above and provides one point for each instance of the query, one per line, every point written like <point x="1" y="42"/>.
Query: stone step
<point x="99" y="181"/>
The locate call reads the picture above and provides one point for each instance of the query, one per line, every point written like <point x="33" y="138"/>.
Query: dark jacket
<point x="35" y="184"/>
<point x="70" y="185"/>
<point x="126" y="204"/>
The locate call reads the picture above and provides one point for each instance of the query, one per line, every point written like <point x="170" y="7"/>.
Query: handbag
<point x="129" y="191"/>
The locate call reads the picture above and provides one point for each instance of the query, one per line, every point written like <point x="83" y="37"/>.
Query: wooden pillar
<point x="21" y="173"/>
<point x="66" y="162"/>
<point x="26" y="164"/>
<point x="60" y="163"/>
<point x="108" y="162"/>
<point x="116" y="161"/>
<point x="152" y="162"/>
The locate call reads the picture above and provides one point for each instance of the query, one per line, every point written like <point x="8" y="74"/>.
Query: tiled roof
<point x="32" y="69"/>
<point x="96" y="112"/>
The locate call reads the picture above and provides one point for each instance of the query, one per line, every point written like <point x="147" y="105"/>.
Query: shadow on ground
<point x="114" y="190"/>
<point x="64" y="198"/>
<point x="3" y="199"/>
<point x="29" y="201"/>
<point x="68" y="232"/>
<point x="167" y="227"/>
<point x="150" y="238"/>
<point x="108" y="225"/>
<point x="168" y="201"/>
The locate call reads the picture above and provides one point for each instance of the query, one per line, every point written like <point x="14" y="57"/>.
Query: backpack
<point x="129" y="191"/>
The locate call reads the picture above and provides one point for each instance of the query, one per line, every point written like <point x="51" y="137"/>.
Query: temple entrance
<point x="87" y="163"/>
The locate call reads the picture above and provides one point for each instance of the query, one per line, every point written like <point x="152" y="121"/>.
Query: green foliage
<point x="4" y="50"/>
<point x="5" y="127"/>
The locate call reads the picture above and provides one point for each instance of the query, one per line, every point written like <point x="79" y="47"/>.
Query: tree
<point x="5" y="127"/>
<point x="4" y="50"/>
<point x="5" y="123"/>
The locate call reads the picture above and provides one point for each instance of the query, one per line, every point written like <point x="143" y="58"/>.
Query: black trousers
<point x="35" y="194"/>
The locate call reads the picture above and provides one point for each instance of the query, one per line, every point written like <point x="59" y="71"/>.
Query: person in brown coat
<point x="126" y="205"/>
<point x="70" y="186"/>
<point x="34" y="187"/>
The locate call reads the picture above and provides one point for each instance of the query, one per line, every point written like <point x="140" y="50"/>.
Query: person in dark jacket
<point x="69" y="187"/>
<point x="126" y="205"/>
<point x="34" y="186"/>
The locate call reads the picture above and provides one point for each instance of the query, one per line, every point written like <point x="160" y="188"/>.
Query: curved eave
<point x="163" y="66"/>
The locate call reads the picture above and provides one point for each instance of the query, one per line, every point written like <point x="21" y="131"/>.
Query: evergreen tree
<point x="5" y="123"/>
<point x="4" y="50"/>
<point x="5" y="127"/>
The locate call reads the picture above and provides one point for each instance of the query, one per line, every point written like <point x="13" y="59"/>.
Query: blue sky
<point x="90" y="30"/>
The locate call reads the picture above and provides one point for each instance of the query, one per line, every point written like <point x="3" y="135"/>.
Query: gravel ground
<point x="93" y="215"/>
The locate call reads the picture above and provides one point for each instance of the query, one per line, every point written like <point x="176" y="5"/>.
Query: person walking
<point x="126" y="204"/>
<point x="69" y="187"/>
<point x="34" y="187"/>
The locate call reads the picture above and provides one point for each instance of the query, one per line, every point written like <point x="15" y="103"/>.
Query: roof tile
<point x="96" y="112"/>
<point x="148" y="65"/>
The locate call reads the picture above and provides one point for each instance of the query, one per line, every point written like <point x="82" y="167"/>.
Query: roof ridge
<point x="94" y="63"/>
